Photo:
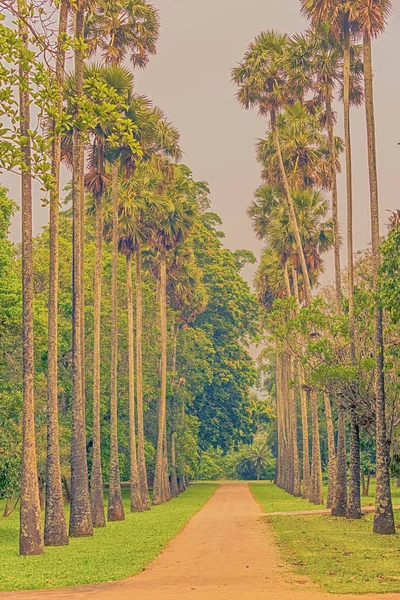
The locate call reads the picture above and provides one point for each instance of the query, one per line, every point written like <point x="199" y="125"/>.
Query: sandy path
<point x="224" y="553"/>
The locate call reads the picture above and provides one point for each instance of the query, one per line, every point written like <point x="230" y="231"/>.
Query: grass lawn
<point x="273" y="499"/>
<point x="115" y="552"/>
<point x="341" y="556"/>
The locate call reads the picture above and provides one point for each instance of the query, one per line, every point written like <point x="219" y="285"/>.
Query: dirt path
<point x="224" y="553"/>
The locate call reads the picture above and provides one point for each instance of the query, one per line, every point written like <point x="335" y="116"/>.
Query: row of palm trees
<point x="122" y="152"/>
<point x="293" y="82"/>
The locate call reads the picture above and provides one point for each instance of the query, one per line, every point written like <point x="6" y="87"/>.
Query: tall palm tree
<point x="263" y="82"/>
<point x="117" y="29"/>
<point x="80" y="523"/>
<point x="169" y="229"/>
<point x="341" y="21"/>
<point x="158" y="139"/>
<point x="187" y="296"/>
<point x="371" y="17"/>
<point x="97" y="180"/>
<point x="138" y="198"/>
<point x="55" y="528"/>
<point x="115" y="505"/>
<point x="271" y="224"/>
<point x="30" y="537"/>
<point x="321" y="54"/>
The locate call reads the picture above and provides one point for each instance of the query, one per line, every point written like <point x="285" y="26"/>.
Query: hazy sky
<point x="190" y="79"/>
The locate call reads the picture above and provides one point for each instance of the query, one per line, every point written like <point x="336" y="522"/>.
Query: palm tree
<point x="321" y="54"/>
<point x="371" y="17"/>
<point x="121" y="29"/>
<point x="271" y="224"/>
<point x="158" y="139"/>
<point x="80" y="523"/>
<point x="263" y="82"/>
<point x="304" y="148"/>
<point x="340" y="18"/>
<point x="97" y="181"/>
<point x="55" y="528"/>
<point x="31" y="537"/>
<point x="257" y="457"/>
<point x="187" y="296"/>
<point x="115" y="504"/>
<point x="169" y="229"/>
<point x="137" y="198"/>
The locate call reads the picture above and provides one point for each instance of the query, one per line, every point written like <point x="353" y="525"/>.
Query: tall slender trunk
<point x="174" y="347"/>
<point x="278" y="471"/>
<point x="354" y="490"/>
<point x="30" y="536"/>
<point x="80" y="523"/>
<point x="331" y="451"/>
<point x="175" y="416"/>
<point x="291" y="209"/>
<point x="304" y="427"/>
<point x="159" y="485"/>
<point x="174" y="478"/>
<point x="144" y="492"/>
<point x="287" y="465"/>
<point x="96" y="482"/>
<point x="55" y="526"/>
<point x="335" y="209"/>
<point x="166" y="484"/>
<point x="383" y="519"/>
<point x="354" y="496"/>
<point x="115" y="505"/>
<point x="340" y="490"/>
<point x="293" y="428"/>
<point x="303" y="405"/>
<point x="135" y="500"/>
<point x="316" y="475"/>
<point x="349" y="182"/>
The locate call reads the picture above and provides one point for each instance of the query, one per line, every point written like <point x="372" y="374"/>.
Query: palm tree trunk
<point x="383" y="519"/>
<point x="96" y="482"/>
<point x="349" y="181"/>
<point x="174" y="347"/>
<point x="135" y="501"/>
<point x="331" y="451"/>
<point x="80" y="523"/>
<point x="340" y="489"/>
<point x="293" y="427"/>
<point x="55" y="527"/>
<point x="30" y="537"/>
<point x="159" y="486"/>
<point x="304" y="427"/>
<point x="166" y="484"/>
<point x="174" y="479"/>
<point x="115" y="505"/>
<point x="354" y="490"/>
<point x="335" y="210"/>
<point x="291" y="209"/>
<point x="144" y="492"/>
<point x="316" y="475"/>
<point x="354" y="497"/>
<point x="278" y="471"/>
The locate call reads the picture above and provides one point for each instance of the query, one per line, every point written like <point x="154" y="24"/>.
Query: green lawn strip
<point x="273" y="499"/>
<point x="119" y="550"/>
<point x="341" y="556"/>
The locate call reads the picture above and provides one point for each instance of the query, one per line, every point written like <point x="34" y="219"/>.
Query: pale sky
<point x="190" y="79"/>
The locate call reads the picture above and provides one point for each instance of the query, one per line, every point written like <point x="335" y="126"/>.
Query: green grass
<point x="273" y="499"/>
<point x="115" y="552"/>
<point x="341" y="556"/>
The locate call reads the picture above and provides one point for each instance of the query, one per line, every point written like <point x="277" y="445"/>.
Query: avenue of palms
<point x="136" y="357"/>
